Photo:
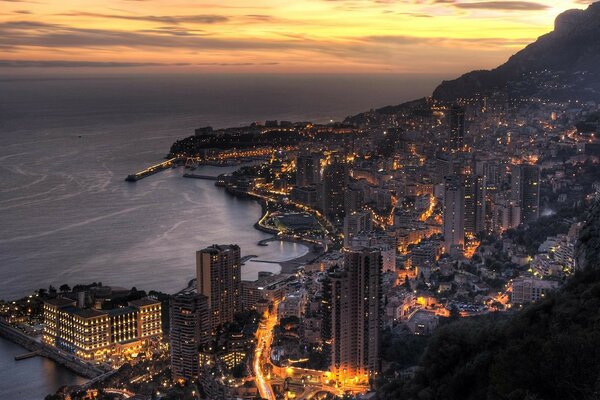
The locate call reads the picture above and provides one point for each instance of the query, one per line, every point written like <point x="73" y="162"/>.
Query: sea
<point x="68" y="216"/>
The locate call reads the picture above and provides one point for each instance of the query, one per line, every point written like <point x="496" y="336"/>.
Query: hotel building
<point x="92" y="334"/>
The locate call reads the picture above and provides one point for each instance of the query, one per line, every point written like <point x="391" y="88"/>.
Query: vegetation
<point x="549" y="350"/>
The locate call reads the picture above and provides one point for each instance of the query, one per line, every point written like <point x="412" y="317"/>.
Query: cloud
<point x="503" y="5"/>
<point x="163" y="19"/>
<point x="79" y="64"/>
<point x="18" y="34"/>
<point x="112" y="64"/>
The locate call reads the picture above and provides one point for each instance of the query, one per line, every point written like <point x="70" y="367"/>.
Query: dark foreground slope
<point x="566" y="61"/>
<point x="548" y="351"/>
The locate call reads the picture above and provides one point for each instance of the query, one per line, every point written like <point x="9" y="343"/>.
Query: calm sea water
<point x="67" y="216"/>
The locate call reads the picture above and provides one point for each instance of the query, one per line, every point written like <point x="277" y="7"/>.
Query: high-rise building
<point x="218" y="273"/>
<point x="475" y="207"/>
<point x="335" y="179"/>
<point x="308" y="169"/>
<point x="190" y="329"/>
<point x="454" y="213"/>
<point x="356" y="315"/>
<point x="525" y="190"/>
<point x="457" y="127"/>
<point x="506" y="213"/>
<point x="355" y="223"/>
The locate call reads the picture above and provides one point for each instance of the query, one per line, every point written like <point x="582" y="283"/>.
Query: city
<point x="449" y="251"/>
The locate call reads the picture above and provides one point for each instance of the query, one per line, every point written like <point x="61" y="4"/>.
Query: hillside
<point x="549" y="350"/>
<point x="562" y="64"/>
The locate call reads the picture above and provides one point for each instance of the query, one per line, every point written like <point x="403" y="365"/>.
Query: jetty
<point x="152" y="170"/>
<point x="28" y="355"/>
<point x="196" y="176"/>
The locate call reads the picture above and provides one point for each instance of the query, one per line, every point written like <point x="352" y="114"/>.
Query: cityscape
<point x="446" y="247"/>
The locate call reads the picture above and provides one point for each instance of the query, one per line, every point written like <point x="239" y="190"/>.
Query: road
<point x="264" y="338"/>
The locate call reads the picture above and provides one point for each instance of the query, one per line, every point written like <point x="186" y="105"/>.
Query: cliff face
<point x="570" y="55"/>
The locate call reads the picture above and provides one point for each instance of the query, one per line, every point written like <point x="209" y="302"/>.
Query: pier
<point x="196" y="176"/>
<point x="152" y="170"/>
<point x="28" y="355"/>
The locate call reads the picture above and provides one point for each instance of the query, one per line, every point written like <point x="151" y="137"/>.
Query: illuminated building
<point x="506" y="213"/>
<point x="190" y="329"/>
<point x="528" y="290"/>
<point x="457" y="127"/>
<point x="355" y="223"/>
<point x="525" y="189"/>
<point x="356" y="315"/>
<point x="335" y="179"/>
<point x="308" y="169"/>
<point x="92" y="334"/>
<point x="475" y="190"/>
<point x="269" y="288"/>
<point x="218" y="272"/>
<point x="454" y="213"/>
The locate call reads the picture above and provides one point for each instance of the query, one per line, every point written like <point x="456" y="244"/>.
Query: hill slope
<point x="567" y="61"/>
<point x="549" y="350"/>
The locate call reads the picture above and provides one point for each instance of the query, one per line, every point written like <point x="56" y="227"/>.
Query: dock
<point x="152" y="170"/>
<point x="28" y="355"/>
<point x="196" y="176"/>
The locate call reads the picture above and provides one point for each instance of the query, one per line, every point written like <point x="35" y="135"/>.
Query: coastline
<point x="292" y="265"/>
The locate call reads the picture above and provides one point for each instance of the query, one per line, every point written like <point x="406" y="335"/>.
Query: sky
<point x="273" y="36"/>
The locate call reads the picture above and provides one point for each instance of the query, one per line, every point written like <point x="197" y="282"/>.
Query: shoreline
<point x="288" y="266"/>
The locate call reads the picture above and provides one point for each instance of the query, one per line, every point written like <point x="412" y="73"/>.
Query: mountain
<point x="549" y="350"/>
<point x="563" y="64"/>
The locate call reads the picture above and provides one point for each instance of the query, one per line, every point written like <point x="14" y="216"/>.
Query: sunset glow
<point x="403" y="36"/>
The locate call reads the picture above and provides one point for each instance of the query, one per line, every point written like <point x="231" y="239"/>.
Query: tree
<point x="65" y="288"/>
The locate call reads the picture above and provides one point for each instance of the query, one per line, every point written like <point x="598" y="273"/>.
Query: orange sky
<point x="374" y="36"/>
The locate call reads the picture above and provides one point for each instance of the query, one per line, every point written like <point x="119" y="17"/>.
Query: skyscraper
<point x="454" y="212"/>
<point x="335" y="179"/>
<point x="525" y="190"/>
<point x="356" y="315"/>
<point x="218" y="273"/>
<point x="457" y="127"/>
<point x="308" y="169"/>
<point x="190" y="329"/>
<point x="475" y="209"/>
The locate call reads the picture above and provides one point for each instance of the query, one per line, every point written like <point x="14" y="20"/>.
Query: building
<point x="96" y="335"/>
<point x="268" y="287"/>
<point x="333" y="188"/>
<point x="381" y="241"/>
<point x="422" y="322"/>
<point x="528" y="290"/>
<point x="525" y="190"/>
<point x="218" y="272"/>
<point x="305" y="195"/>
<point x="456" y="120"/>
<point x="308" y="169"/>
<point x="454" y="213"/>
<point x="475" y="208"/>
<point x="190" y="329"/>
<point x="506" y="213"/>
<point x="356" y="315"/>
<point x="355" y="223"/>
